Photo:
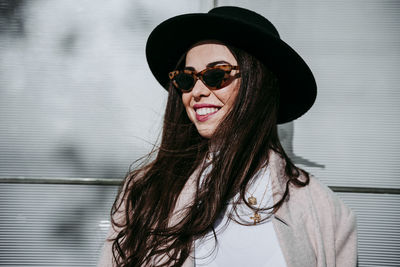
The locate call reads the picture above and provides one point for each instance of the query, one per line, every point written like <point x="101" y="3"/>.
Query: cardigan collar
<point x="287" y="220"/>
<point x="278" y="183"/>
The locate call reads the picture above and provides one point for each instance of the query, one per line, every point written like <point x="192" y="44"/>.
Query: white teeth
<point x="205" y="111"/>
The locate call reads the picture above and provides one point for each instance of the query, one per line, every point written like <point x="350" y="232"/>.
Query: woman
<point x="221" y="191"/>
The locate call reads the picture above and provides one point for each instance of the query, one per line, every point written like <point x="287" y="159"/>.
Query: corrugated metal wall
<point x="78" y="105"/>
<point x="53" y="225"/>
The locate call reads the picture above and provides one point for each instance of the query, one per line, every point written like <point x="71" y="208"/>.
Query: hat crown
<point x="246" y="16"/>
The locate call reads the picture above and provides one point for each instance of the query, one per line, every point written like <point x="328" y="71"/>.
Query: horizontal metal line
<point x="72" y="181"/>
<point x="370" y="190"/>
<point x="117" y="181"/>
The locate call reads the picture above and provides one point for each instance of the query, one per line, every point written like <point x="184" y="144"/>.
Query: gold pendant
<point x="256" y="218"/>
<point x="252" y="200"/>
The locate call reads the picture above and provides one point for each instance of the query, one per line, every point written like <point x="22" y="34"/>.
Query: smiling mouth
<point x="206" y="111"/>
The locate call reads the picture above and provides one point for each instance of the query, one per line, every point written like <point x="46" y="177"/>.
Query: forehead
<point x="200" y="55"/>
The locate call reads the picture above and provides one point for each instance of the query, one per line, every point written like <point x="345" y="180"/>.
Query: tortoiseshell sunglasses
<point x="215" y="77"/>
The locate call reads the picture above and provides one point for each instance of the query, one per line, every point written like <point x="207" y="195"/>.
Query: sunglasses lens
<point x="184" y="81"/>
<point x="214" y="77"/>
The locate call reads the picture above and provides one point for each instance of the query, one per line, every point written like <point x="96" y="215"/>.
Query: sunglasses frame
<point x="199" y="76"/>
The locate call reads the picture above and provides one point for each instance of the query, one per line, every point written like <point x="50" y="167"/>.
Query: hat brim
<point x="174" y="37"/>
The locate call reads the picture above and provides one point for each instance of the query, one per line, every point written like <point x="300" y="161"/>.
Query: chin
<point x="206" y="133"/>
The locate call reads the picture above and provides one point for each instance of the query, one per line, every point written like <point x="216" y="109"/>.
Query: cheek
<point x="186" y="103"/>
<point x="228" y="96"/>
<point x="186" y="99"/>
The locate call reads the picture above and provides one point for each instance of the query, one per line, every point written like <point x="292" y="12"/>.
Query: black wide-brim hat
<point x="246" y="30"/>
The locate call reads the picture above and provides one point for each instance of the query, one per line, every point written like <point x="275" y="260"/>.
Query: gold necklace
<point x="257" y="217"/>
<point x="253" y="201"/>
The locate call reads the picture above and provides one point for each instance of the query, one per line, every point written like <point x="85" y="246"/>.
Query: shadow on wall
<point x="11" y="17"/>
<point x="286" y="135"/>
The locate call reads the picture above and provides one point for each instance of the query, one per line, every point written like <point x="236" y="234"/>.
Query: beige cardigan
<point x="313" y="226"/>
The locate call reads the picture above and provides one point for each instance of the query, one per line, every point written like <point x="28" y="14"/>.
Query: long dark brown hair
<point x="149" y="194"/>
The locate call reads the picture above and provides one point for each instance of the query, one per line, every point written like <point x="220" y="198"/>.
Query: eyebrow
<point x="211" y="64"/>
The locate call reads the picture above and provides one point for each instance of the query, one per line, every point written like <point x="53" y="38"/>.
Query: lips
<point x="205" y="111"/>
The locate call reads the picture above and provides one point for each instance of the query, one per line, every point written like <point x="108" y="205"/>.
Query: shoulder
<point x="319" y="192"/>
<point x="321" y="197"/>
<point x="318" y="202"/>
<point x="323" y="194"/>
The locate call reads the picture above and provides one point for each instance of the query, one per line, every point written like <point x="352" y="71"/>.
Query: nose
<point x="200" y="90"/>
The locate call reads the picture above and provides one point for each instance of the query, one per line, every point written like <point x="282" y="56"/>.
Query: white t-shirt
<point x="239" y="245"/>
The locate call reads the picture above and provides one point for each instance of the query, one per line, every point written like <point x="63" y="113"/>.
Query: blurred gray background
<point x="78" y="105"/>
